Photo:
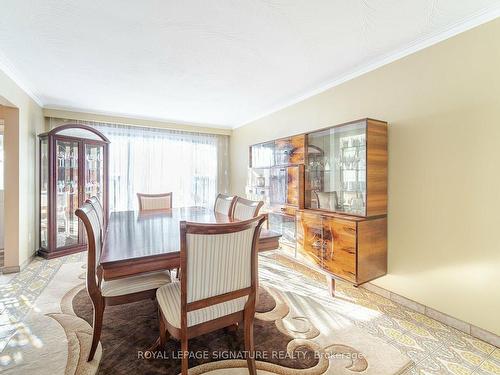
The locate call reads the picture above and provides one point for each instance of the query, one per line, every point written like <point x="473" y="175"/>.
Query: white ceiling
<point x="220" y="62"/>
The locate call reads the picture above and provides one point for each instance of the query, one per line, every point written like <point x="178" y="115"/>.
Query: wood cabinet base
<point x="348" y="248"/>
<point x="44" y="253"/>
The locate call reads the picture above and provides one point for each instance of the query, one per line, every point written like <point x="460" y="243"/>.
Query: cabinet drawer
<point x="339" y="237"/>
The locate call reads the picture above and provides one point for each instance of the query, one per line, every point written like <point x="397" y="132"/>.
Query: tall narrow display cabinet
<point x="340" y="221"/>
<point x="73" y="168"/>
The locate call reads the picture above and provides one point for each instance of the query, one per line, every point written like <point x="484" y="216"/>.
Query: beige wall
<point x="23" y="121"/>
<point x="443" y="109"/>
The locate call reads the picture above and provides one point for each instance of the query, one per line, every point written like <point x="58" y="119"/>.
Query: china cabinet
<point x="73" y="168"/>
<point x="326" y="193"/>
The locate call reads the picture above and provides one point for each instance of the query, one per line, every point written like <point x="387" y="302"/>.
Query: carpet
<point x="294" y="334"/>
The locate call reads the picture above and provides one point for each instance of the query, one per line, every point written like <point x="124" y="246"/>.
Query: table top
<point x="131" y="235"/>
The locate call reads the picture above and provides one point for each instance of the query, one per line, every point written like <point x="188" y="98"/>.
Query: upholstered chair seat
<point x="134" y="284"/>
<point x="169" y="301"/>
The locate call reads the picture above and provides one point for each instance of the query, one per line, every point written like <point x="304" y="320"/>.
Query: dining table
<point x="139" y="242"/>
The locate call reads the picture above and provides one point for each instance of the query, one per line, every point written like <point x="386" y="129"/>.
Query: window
<point x="193" y="166"/>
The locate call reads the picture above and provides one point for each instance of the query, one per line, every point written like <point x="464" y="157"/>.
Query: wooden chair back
<point x="245" y="209"/>
<point x="219" y="263"/>
<point x="154" y="201"/>
<point x="224" y="204"/>
<point x="88" y="215"/>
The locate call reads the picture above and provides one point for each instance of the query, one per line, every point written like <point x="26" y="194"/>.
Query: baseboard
<point x="441" y="317"/>
<point x="11" y="269"/>
<point x="14" y="269"/>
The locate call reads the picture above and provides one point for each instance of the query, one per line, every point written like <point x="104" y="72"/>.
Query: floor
<point x="434" y="347"/>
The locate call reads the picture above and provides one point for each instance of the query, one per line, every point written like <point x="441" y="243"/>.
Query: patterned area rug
<point x="288" y="340"/>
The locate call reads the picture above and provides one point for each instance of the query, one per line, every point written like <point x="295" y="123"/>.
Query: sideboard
<point x="326" y="192"/>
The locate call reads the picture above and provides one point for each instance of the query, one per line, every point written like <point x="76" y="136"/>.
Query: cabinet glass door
<point x="284" y="225"/>
<point x="66" y="197"/>
<point x="94" y="171"/>
<point x="263" y="155"/>
<point x="44" y="193"/>
<point x="278" y="188"/>
<point x="336" y="170"/>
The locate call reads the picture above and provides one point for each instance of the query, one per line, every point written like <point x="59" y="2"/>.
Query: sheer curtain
<point x="193" y="166"/>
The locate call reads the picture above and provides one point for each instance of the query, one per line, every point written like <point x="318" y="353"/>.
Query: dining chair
<point x="224" y="204"/>
<point x="113" y="292"/>
<point x="96" y="204"/>
<point x="218" y="284"/>
<point x="154" y="201"/>
<point x="245" y="209"/>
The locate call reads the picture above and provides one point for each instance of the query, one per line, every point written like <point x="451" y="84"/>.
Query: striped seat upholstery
<point x="154" y="201"/>
<point x="169" y="300"/>
<point x="96" y="204"/>
<point x="216" y="264"/>
<point x="245" y="209"/>
<point x="224" y="204"/>
<point x="134" y="284"/>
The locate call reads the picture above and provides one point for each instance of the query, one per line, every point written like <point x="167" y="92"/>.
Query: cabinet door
<point x="339" y="237"/>
<point x="94" y="172"/>
<point x="310" y="247"/>
<point x="285" y="225"/>
<point x="290" y="150"/>
<point x="66" y="193"/>
<point x="44" y="193"/>
<point x="278" y="186"/>
<point x="293" y="186"/>
<point x="262" y="155"/>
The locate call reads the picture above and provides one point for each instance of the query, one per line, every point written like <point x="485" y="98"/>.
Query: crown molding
<point x="128" y="119"/>
<point x="10" y="71"/>
<point x="476" y="19"/>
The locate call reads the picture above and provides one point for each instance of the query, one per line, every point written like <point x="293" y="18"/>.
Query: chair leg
<point x="249" y="344"/>
<point x="163" y="330"/>
<point x="97" y="326"/>
<point x="178" y="273"/>
<point x="185" y="358"/>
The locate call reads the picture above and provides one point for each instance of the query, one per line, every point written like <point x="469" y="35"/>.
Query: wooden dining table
<point x="138" y="242"/>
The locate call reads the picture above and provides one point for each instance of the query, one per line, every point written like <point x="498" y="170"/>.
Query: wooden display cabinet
<point x="73" y="168"/>
<point x="334" y="181"/>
